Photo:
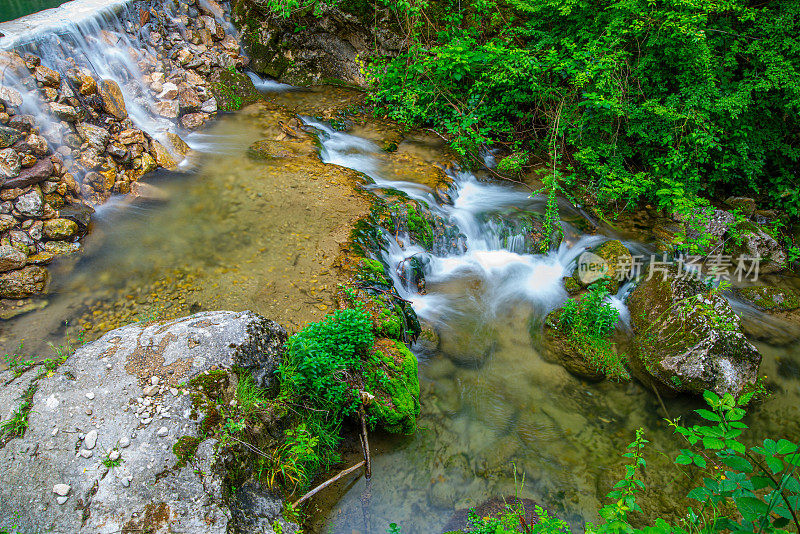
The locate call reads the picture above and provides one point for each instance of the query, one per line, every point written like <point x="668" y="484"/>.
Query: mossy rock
<point x="233" y="90"/>
<point x="688" y="339"/>
<point x="184" y="449"/>
<point x="559" y="348"/>
<point x="616" y="260"/>
<point x="267" y="150"/>
<point x="396" y="404"/>
<point x="771" y="298"/>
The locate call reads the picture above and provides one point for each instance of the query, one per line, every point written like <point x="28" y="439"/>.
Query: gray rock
<point x="62" y="500"/>
<point x="192" y="498"/>
<point x="687" y="339"/>
<point x="64" y="112"/>
<point x="30" y="204"/>
<point x="9" y="163"/>
<point x="61" y="489"/>
<point x="11" y="258"/>
<point x="94" y="135"/>
<point x="90" y="440"/>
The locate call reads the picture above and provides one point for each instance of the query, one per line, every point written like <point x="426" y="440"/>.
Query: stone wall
<point x="85" y="115"/>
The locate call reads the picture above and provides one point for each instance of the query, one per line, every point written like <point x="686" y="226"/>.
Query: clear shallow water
<point x="13" y="9"/>
<point x="495" y="411"/>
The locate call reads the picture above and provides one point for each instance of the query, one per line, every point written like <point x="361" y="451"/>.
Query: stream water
<point x="233" y="232"/>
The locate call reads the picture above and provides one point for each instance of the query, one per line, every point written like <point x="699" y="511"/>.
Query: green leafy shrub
<point x="589" y="321"/>
<point x="321" y="358"/>
<point x="642" y="101"/>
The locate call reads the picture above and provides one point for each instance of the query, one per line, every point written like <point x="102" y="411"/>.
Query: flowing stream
<point x="498" y="419"/>
<point x="236" y="233"/>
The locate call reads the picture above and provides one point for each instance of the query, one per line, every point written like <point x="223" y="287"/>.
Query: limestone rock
<point x="9" y="163"/>
<point x="162" y="156"/>
<point x="193" y="121"/>
<point x="113" y="101"/>
<point x="10" y="96"/>
<point x="47" y="76"/>
<point x="60" y="229"/>
<point x="9" y="136"/>
<point x="687" y="339"/>
<point x="64" y="112"/>
<point x="150" y="489"/>
<point x="168" y="109"/>
<point x="24" y="282"/>
<point x="30" y="204"/>
<point x="94" y="135"/>
<point x="11" y="258"/>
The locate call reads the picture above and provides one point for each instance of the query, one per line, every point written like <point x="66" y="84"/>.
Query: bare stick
<point x="365" y="444"/>
<point x="327" y="483"/>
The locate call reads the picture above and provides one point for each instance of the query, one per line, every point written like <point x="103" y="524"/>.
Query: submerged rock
<point x="688" y="339"/>
<point x="494" y="507"/>
<point x="771" y="298"/>
<point x="151" y="487"/>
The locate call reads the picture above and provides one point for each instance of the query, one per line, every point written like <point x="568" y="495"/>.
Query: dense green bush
<point x="664" y="101"/>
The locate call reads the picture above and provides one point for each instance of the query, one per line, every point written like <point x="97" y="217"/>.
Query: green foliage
<point x="16" y="363"/>
<point x="320" y="358"/>
<point x="663" y="102"/>
<point x="589" y="321"/>
<point x="16" y="425"/>
<point x="250" y="397"/>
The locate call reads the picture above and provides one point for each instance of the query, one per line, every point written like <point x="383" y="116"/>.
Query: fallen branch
<point x="365" y="444"/>
<point x="327" y="483"/>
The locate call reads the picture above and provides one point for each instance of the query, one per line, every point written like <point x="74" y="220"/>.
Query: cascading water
<point x="498" y="418"/>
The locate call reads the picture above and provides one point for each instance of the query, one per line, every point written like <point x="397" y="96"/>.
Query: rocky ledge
<point x="106" y="448"/>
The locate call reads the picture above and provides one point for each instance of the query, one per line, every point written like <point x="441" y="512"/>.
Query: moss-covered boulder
<point x="746" y="240"/>
<point x="771" y="298"/>
<point x="688" y="339"/>
<point x="395" y="404"/>
<point x="560" y="348"/>
<point x="610" y="261"/>
<point x="233" y="90"/>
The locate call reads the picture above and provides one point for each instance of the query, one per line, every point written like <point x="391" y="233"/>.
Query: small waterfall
<point x="493" y="258"/>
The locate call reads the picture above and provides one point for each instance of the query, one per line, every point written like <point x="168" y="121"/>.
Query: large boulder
<point x="24" y="282"/>
<point x="116" y="442"/>
<point x="688" y="338"/>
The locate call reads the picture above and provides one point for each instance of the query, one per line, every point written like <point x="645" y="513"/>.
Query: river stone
<point x="161" y="495"/>
<point x="168" y="109"/>
<point x="11" y="258"/>
<point x="113" y="101"/>
<point x="687" y="339"/>
<point x="10" y="96"/>
<point x="64" y="112"/>
<point x="31" y="204"/>
<point x="9" y="136"/>
<point x="162" y="156"/>
<point x="23" y="123"/>
<point x="47" y="76"/>
<point x="24" y="282"/>
<point x="178" y="144"/>
<point x="42" y="170"/>
<point x="193" y="121"/>
<point x="9" y="163"/>
<point x="771" y="298"/>
<point x="61" y="248"/>
<point x="558" y="348"/>
<point x="60" y="229"/>
<point x="169" y="92"/>
<point x="37" y="144"/>
<point x="94" y="135"/>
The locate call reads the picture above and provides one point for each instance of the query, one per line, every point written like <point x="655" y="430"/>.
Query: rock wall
<point x="88" y="106"/>
<point x="332" y="46"/>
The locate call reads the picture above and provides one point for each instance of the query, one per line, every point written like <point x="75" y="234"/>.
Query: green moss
<point x="571" y="285"/>
<point x="212" y="384"/>
<point x="184" y="449"/>
<point x="771" y="298"/>
<point x="419" y="227"/>
<point x="234" y="90"/>
<point x="396" y="404"/>
<point x="372" y="271"/>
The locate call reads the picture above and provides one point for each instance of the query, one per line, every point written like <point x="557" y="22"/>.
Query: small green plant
<point x="589" y="321"/>
<point x="294" y="461"/>
<point x="249" y="397"/>
<point x="17" y="424"/>
<point x="16" y="363"/>
<point x="110" y="462"/>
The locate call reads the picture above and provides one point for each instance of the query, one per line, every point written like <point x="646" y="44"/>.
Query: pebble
<point x="90" y="395"/>
<point x="163" y="431"/>
<point x="114" y="456"/>
<point x="54" y="432"/>
<point x="154" y="380"/>
<point x="124" y="442"/>
<point x="86" y="453"/>
<point x="61" y="489"/>
<point x="150" y="390"/>
<point x="62" y="500"/>
<point x="126" y="481"/>
<point x="90" y="440"/>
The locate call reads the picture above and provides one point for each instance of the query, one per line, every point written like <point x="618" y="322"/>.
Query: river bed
<point x="237" y="233"/>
